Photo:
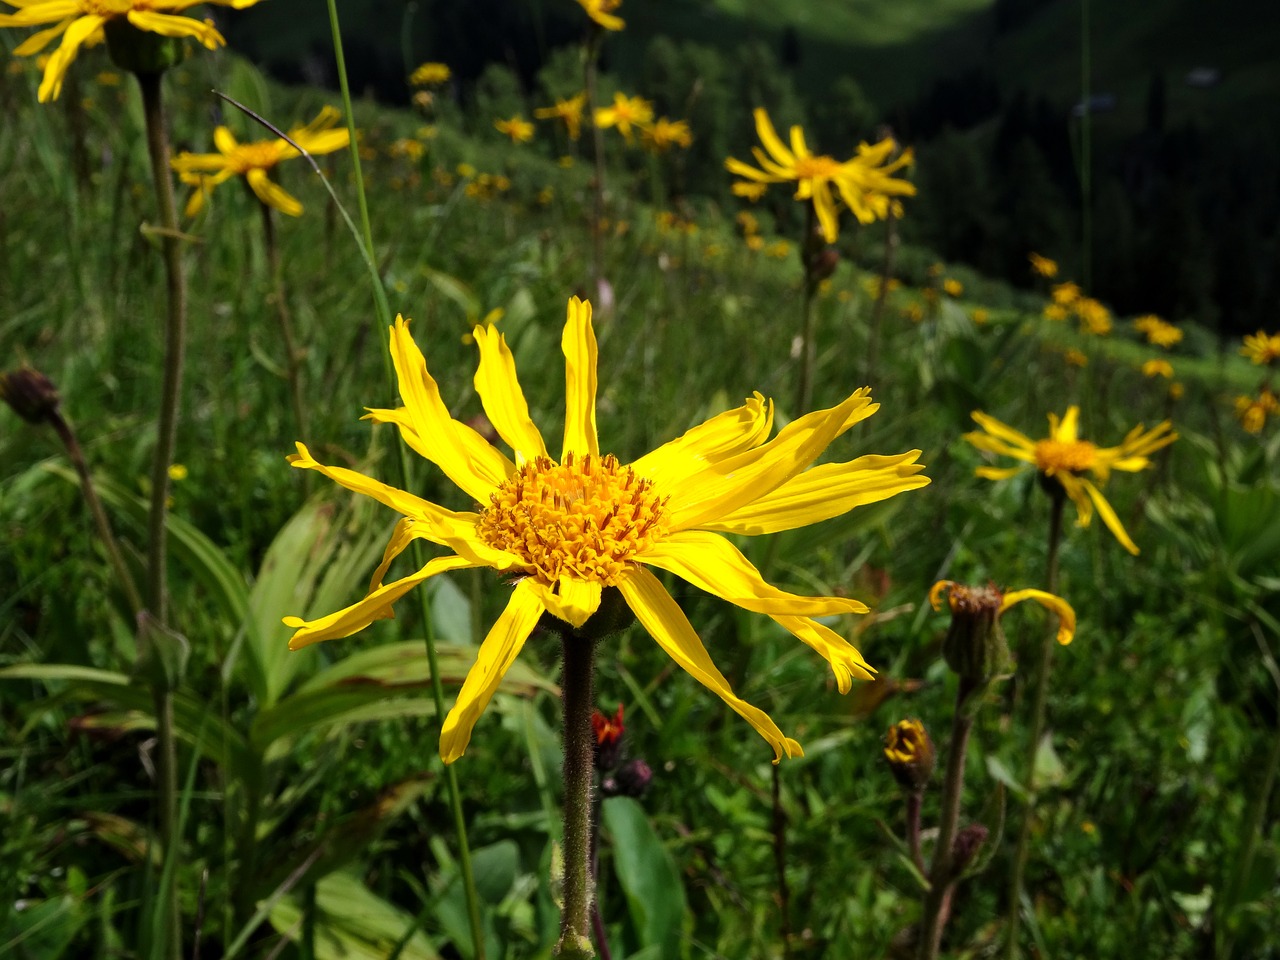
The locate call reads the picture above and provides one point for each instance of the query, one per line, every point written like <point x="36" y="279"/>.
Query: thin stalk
<point x="1039" y="709"/>
<point x="591" y="54"/>
<point x="579" y="771"/>
<point x="293" y="357"/>
<point x="915" y="800"/>
<point x="150" y="86"/>
<point x="384" y="316"/>
<point x="943" y="875"/>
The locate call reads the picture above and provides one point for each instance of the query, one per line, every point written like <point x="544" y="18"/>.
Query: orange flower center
<point x="816" y="168"/>
<point x="588" y="518"/>
<point x="255" y="156"/>
<point x="1065" y="456"/>
<point x="111" y="8"/>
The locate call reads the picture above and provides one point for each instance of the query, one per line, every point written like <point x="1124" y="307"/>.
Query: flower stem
<point x="150" y="86"/>
<point x="915" y="800"/>
<point x="943" y="875"/>
<point x="579" y="770"/>
<point x="1040" y="698"/>
<point x="293" y="356"/>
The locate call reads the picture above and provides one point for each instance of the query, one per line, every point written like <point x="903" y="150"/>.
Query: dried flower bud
<point x="975" y="647"/>
<point x="632" y="780"/>
<point x="967" y="845"/>
<point x="30" y="393"/>
<point x="608" y="736"/>
<point x="910" y="753"/>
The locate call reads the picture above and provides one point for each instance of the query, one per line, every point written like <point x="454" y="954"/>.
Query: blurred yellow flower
<point x="430" y="74"/>
<point x="748" y="190"/>
<point x="1065" y="294"/>
<point x="1094" y="317"/>
<point x="601" y="11"/>
<point x="80" y="23"/>
<point x="1253" y="413"/>
<point x="1042" y="266"/>
<point x="625" y="113"/>
<point x="178" y="472"/>
<point x="1158" y="368"/>
<point x="779" y="250"/>
<point x="873" y="286"/>
<point x="663" y="134"/>
<point x="254" y="161"/>
<point x="1075" y="358"/>
<point x="1065" y="458"/>
<point x="952" y="288"/>
<point x="565" y="530"/>
<point x="980" y="316"/>
<point x="755" y="242"/>
<point x="517" y="128"/>
<point x="1159" y="333"/>
<point x="1055" y="312"/>
<point x="1262" y="348"/>
<point x="568" y="111"/>
<point x="863" y="182"/>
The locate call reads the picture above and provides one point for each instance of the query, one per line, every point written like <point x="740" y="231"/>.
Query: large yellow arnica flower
<point x="254" y="161"/>
<point x="862" y="182"/>
<point x="566" y="525"/>
<point x="1065" y="458"/>
<point x="80" y="22"/>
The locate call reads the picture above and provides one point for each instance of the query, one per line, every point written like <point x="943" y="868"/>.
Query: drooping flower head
<point x="1262" y="348"/>
<point x="1064" y="459"/>
<point x="863" y="182"/>
<point x="255" y="161"/>
<point x="81" y="23"/>
<point x="626" y="112"/>
<point x="601" y="11"/>
<point x="568" y="112"/>
<point x="566" y="525"/>
<point x="910" y="754"/>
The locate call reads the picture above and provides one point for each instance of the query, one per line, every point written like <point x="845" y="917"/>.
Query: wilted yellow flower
<point x="663" y="134"/>
<point x="952" y="288"/>
<point x="254" y="161"/>
<point x="568" y="111"/>
<point x="80" y="23"/>
<point x="1065" y="458"/>
<point x="1065" y="294"/>
<point x="564" y="530"/>
<point x="984" y="606"/>
<point x="1158" y="368"/>
<point x="430" y="74"/>
<point x="1075" y="358"/>
<point x="517" y="128"/>
<point x="1042" y="266"/>
<point x="1262" y="348"/>
<point x="863" y="182"/>
<point x="1253" y="413"/>
<point x="625" y="113"/>
<point x="601" y="11"/>
<point x="910" y="753"/>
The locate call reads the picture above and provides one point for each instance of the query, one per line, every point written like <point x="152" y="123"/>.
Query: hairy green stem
<point x="175" y="333"/>
<point x="1039" y="710"/>
<point x="943" y="874"/>
<point x="579" y="772"/>
<point x="293" y="356"/>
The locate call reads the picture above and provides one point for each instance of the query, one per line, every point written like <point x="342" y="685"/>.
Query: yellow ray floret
<point x="566" y="530"/>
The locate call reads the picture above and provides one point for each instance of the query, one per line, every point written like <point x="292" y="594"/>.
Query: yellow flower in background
<point x="874" y="286"/>
<point x="863" y="183"/>
<point x="80" y="23"/>
<point x="1158" y="368"/>
<point x="1065" y="294"/>
<point x="748" y="190"/>
<point x="952" y="288"/>
<point x="1065" y="458"/>
<point x="1074" y="358"/>
<point x="1262" y="348"/>
<point x="568" y="111"/>
<point x="625" y="113"/>
<point x="1095" y="318"/>
<point x="601" y="11"/>
<point x="178" y="472"/>
<point x="663" y="134"/>
<point x="254" y="161"/>
<point x="1055" y="311"/>
<point x="430" y="74"/>
<point x="779" y="250"/>
<point x="565" y="529"/>
<point x="960" y="598"/>
<point x="754" y="242"/>
<point x="517" y="128"/>
<point x="1042" y="266"/>
<point x="980" y="316"/>
<point x="1253" y="414"/>
<point x="1159" y="333"/>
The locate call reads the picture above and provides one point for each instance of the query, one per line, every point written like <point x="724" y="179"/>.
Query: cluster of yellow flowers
<point x="1069" y="299"/>
<point x="1262" y="348"/>
<point x="1159" y="333"/>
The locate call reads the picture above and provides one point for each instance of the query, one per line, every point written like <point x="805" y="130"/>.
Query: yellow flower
<point x="565" y="529"/>
<point x="430" y="75"/>
<point x="1055" y="311"/>
<point x="1158" y="368"/>
<point x="1065" y="294"/>
<point x="570" y="111"/>
<point x="80" y="23"/>
<point x="1042" y="266"/>
<point x="601" y="11"/>
<point x="664" y="134"/>
<point x="517" y="128"/>
<point x="1253" y="413"/>
<point x="1075" y="358"/>
<point x="779" y="250"/>
<point x="980" y="316"/>
<point x="1094" y="317"/>
<point x="625" y="113"/>
<point x="254" y="161"/>
<point x="408" y="148"/>
<point x="748" y="190"/>
<point x="1261" y="348"/>
<point x="1065" y="458"/>
<point x="747" y="220"/>
<point x="863" y="182"/>
<point x="873" y="286"/>
<point x="952" y="288"/>
<point x="755" y="242"/>
<point x="962" y="599"/>
<point x="178" y="472"/>
<point x="1158" y="332"/>
<point x="910" y="753"/>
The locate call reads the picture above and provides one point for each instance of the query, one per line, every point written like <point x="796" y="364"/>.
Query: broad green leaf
<point x="648" y="874"/>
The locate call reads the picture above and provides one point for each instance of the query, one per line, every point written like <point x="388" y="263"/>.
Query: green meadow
<point x="311" y="814"/>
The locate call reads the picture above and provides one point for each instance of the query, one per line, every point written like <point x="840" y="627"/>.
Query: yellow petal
<point x="769" y="137"/>
<point x="272" y="194"/>
<point x="824" y="492"/>
<point x="1109" y="517"/>
<point x="224" y="140"/>
<point x="465" y="456"/>
<point x="38" y="41"/>
<point x="493" y="660"/>
<point x="1066" y="615"/>
<point x="825" y="208"/>
<point x="724" y="435"/>
<point x="712" y="563"/>
<point x="56" y="69"/>
<point x="1002" y="431"/>
<point x="376" y="606"/>
<point x="935" y="592"/>
<point x="34" y="14"/>
<point x="667" y="624"/>
<point x="503" y="400"/>
<point x="846" y="662"/>
<point x="1068" y="431"/>
<point x="572" y="600"/>
<point x="997" y="473"/>
<point x="990" y="444"/>
<point x="170" y="26"/>
<point x="579" y="345"/>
